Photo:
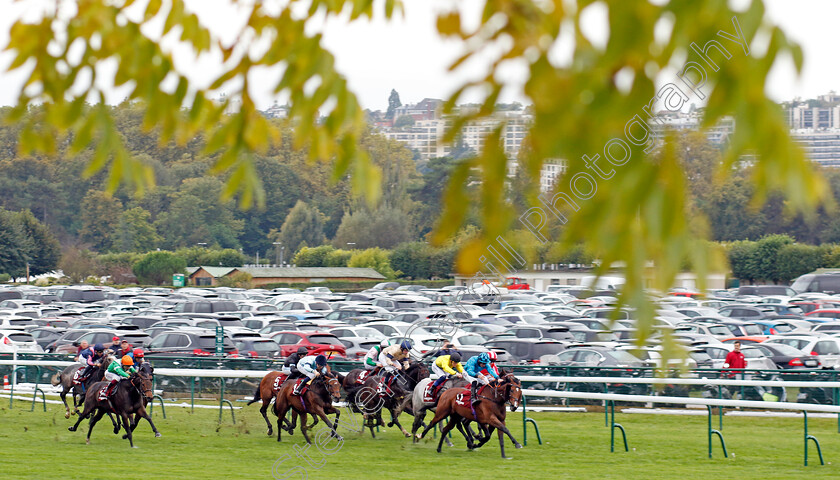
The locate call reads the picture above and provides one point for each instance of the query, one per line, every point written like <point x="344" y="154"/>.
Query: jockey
<point x="139" y="357"/>
<point x="393" y="358"/>
<point x="372" y="357"/>
<point x="290" y="365"/>
<point x="311" y="366"/>
<point x="91" y="358"/>
<point x="116" y="371"/>
<point x="446" y="367"/>
<point x="480" y="370"/>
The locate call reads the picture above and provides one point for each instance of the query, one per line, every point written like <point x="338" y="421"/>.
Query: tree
<point x="100" y="220"/>
<point x="741" y="256"/>
<point x="393" y="104"/>
<point x="157" y="268"/>
<point x="795" y="260"/>
<point x="766" y="256"/>
<point x="78" y="264"/>
<point x="14" y="245"/>
<point x="404" y="121"/>
<point x="237" y="280"/>
<point x="313" y="256"/>
<point x="136" y="233"/>
<point x="580" y="107"/>
<point x="303" y="224"/>
<point x="44" y="251"/>
<point x="384" y="227"/>
<point x="375" y="258"/>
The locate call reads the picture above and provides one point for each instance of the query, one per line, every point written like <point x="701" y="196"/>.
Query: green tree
<point x="196" y="215"/>
<point x="100" y="215"/>
<point x="157" y="268"/>
<point x="43" y="251"/>
<point x="14" y="245"/>
<point x="795" y="260"/>
<point x="741" y="256"/>
<point x="766" y="257"/>
<point x="384" y="227"/>
<point x="375" y="258"/>
<point x="227" y="257"/>
<point x="338" y="258"/>
<point x="313" y="256"/>
<point x="78" y="264"/>
<point x="404" y="121"/>
<point x="136" y="232"/>
<point x="393" y="103"/>
<point x="303" y="224"/>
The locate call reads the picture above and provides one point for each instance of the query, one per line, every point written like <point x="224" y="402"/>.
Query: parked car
<point x="46" y="335"/>
<point x="592" y="356"/>
<point x="527" y="351"/>
<point x="357" y="347"/>
<point x="787" y="357"/>
<point x="826" y="349"/>
<point x="18" y="341"/>
<point x="189" y="341"/>
<point x="257" y="347"/>
<point x="755" y="359"/>
<point x="318" y="343"/>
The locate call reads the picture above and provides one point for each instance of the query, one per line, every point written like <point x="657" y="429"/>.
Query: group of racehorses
<point x="127" y="403"/>
<point x="407" y="392"/>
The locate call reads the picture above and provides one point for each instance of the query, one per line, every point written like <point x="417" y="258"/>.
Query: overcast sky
<point x="408" y="56"/>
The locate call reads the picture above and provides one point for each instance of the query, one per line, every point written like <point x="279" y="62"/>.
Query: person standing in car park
<point x="735" y="360"/>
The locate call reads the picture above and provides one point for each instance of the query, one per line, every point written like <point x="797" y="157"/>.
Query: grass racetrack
<point x="575" y="445"/>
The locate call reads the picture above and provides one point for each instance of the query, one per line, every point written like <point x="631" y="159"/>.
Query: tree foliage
<point x="384" y="227"/>
<point x="157" y="268"/>
<point x="303" y="225"/>
<point x="374" y="258"/>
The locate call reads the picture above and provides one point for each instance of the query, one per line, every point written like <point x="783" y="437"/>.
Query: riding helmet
<point x="302" y="351"/>
<point x="99" y="347"/>
<point x="321" y="361"/>
<point x="384" y="343"/>
<point x="483" y="358"/>
<point x="455" y="357"/>
<point x="492" y="356"/>
<point x="405" y="345"/>
<point x="127" y="361"/>
<point x="138" y="353"/>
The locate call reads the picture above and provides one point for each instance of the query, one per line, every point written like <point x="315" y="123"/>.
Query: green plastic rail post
<point x="152" y="404"/>
<point x="525" y="421"/>
<point x="614" y="425"/>
<point x="811" y="437"/>
<point x="222" y="402"/>
<point x="712" y="431"/>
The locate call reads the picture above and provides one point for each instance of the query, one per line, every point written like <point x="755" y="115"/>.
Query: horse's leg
<point x="87" y="411"/>
<point x="264" y="412"/>
<point x="63" y="396"/>
<point x="395" y="421"/>
<point x="440" y="414"/>
<point x="141" y="413"/>
<point x="419" y="416"/>
<point x="303" y="428"/>
<point x="453" y="420"/>
<point x="500" y="426"/>
<point x="127" y="426"/>
<point x="467" y="435"/>
<point x="116" y="423"/>
<point x="93" y="421"/>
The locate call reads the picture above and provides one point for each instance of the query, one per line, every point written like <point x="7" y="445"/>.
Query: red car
<point x="516" y="283"/>
<point x="318" y="343"/>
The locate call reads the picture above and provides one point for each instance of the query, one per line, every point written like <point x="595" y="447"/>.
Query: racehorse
<point x="127" y="400"/>
<point x="419" y="406"/>
<point x="316" y="401"/>
<point x="397" y="396"/>
<point x="65" y="379"/>
<point x="489" y="412"/>
<point x="266" y="391"/>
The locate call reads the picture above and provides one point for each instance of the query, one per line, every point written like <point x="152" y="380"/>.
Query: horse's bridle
<point x="142" y="393"/>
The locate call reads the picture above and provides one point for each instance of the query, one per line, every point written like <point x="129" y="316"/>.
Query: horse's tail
<point x="55" y="380"/>
<point x="257" y="397"/>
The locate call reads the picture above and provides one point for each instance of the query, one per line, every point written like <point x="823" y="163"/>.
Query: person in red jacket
<point x="735" y="359"/>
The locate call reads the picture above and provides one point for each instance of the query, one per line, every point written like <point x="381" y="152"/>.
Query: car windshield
<point x="323" y="339"/>
<point x="752" y="353"/>
<point x="624" y="357"/>
<point x="752" y="329"/>
<point x="471" y="340"/>
<point x="783" y="328"/>
<point x="788" y="350"/>
<point x="532" y="319"/>
<point x="319" y="306"/>
<point x="21" y="337"/>
<point x="268" y="346"/>
<point x="369" y="332"/>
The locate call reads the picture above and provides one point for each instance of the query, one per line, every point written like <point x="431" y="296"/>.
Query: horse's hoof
<point x="407" y="435"/>
<point x="270" y="433"/>
<point x="67" y="415"/>
<point x="87" y="441"/>
<point x="518" y="446"/>
<point x="339" y="438"/>
<point x="72" y="429"/>
<point x="158" y="435"/>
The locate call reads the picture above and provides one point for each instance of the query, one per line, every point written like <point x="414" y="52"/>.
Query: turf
<point x="575" y="445"/>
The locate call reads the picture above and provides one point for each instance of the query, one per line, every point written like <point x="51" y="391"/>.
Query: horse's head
<point x="513" y="391"/>
<point x="143" y="383"/>
<point x="417" y="371"/>
<point x="333" y="387"/>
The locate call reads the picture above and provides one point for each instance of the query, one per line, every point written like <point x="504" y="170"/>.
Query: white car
<point x="755" y="359"/>
<point x="305" y="306"/>
<point x="16" y="340"/>
<point x="826" y="348"/>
